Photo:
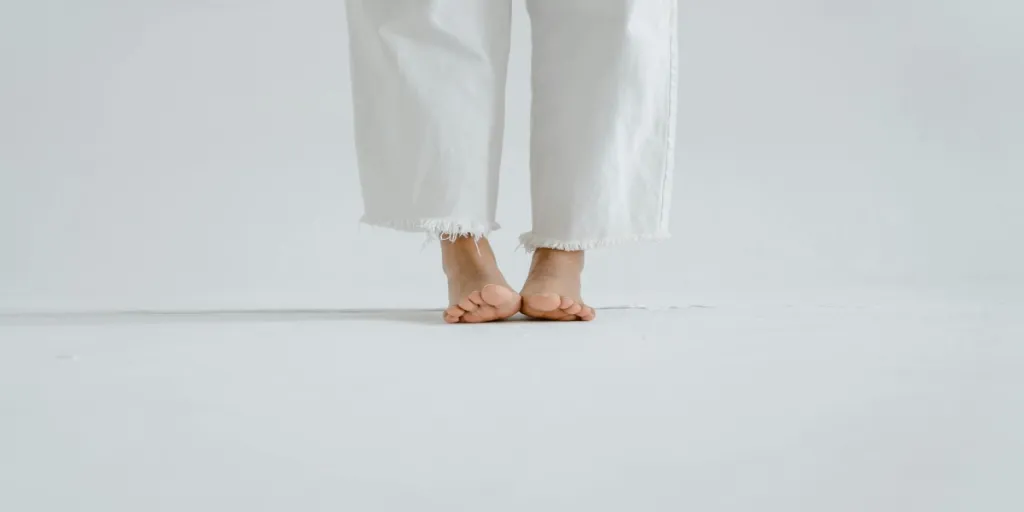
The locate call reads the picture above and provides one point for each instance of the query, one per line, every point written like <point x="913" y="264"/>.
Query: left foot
<point x="552" y="290"/>
<point x="477" y="292"/>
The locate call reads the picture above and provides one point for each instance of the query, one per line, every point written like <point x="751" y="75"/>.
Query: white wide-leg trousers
<point x="429" y="95"/>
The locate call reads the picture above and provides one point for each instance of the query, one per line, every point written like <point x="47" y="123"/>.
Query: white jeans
<point x="429" y="90"/>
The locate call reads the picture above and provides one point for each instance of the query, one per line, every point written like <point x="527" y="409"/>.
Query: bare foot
<point x="552" y="290"/>
<point x="477" y="292"/>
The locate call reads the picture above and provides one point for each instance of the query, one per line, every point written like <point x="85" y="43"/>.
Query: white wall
<point x="198" y="154"/>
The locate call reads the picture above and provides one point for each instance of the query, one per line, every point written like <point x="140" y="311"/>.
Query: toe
<point x="453" y="314"/>
<point x="482" y="314"/>
<point x="574" y="309"/>
<point x="477" y="299"/>
<point x="496" y="295"/>
<point x="468" y="305"/>
<point x="566" y="303"/>
<point x="587" y="314"/>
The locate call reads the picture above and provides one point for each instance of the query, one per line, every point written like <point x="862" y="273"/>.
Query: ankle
<point x="464" y="255"/>
<point x="558" y="259"/>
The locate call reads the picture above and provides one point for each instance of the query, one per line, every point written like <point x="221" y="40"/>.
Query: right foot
<point x="477" y="292"/>
<point x="552" y="290"/>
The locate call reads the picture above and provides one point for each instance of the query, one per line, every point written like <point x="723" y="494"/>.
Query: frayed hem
<point x="437" y="229"/>
<point x="532" y="242"/>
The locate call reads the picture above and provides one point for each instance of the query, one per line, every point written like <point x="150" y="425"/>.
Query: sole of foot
<point x="490" y="303"/>
<point x="554" y="307"/>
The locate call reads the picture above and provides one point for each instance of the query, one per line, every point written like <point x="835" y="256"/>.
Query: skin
<point x="552" y="289"/>
<point x="478" y="292"/>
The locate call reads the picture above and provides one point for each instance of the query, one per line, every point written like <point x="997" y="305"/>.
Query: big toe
<point x="543" y="302"/>
<point x="496" y="295"/>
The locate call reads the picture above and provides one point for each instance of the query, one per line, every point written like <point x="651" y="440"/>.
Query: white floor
<point x="898" y="408"/>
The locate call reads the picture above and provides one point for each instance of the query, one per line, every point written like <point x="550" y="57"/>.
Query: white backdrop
<point x="161" y="154"/>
